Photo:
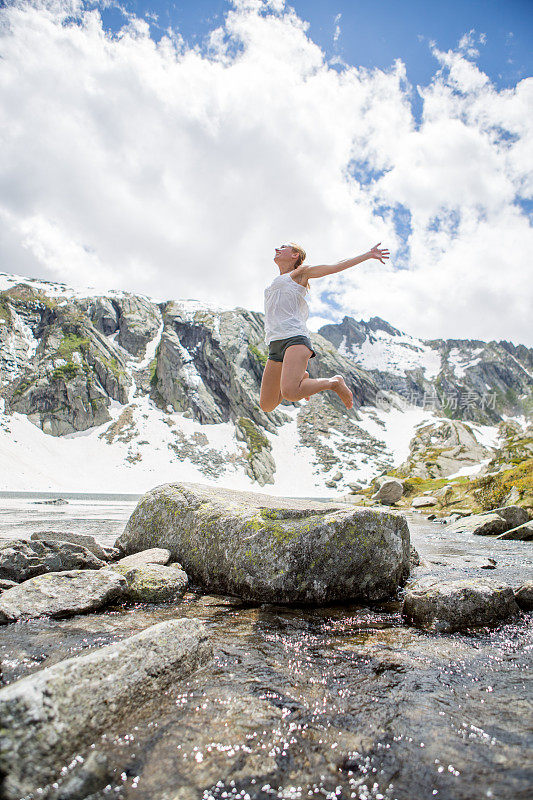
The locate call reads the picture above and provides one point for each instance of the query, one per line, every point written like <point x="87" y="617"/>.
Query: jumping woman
<point x="289" y="347"/>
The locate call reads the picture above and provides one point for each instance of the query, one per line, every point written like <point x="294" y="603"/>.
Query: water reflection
<point x="338" y="703"/>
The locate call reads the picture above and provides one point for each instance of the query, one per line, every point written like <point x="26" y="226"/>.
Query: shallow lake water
<point x="338" y="702"/>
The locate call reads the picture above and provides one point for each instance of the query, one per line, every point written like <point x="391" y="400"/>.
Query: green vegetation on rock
<point x="492" y="490"/>
<point x="70" y="344"/>
<point x="5" y="311"/>
<point x="24" y="384"/>
<point x="66" y="372"/>
<point x="261" y="357"/>
<point x="153" y="372"/>
<point x="112" y="364"/>
<point x="256" y="440"/>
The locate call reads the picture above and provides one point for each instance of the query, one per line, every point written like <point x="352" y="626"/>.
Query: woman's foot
<point x="339" y="387"/>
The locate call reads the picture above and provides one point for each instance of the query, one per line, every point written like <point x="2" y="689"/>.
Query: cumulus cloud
<point x="175" y="170"/>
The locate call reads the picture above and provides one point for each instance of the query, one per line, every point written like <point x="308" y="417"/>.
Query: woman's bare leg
<point x="294" y="384"/>
<point x="270" y="396"/>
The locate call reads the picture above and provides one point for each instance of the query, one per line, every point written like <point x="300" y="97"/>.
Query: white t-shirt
<point x="286" y="309"/>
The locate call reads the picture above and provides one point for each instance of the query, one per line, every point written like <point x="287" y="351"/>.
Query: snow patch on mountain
<point x="460" y="361"/>
<point x="394" y="354"/>
<point x="395" y="426"/>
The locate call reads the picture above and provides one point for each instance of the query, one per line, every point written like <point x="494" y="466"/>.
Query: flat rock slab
<point x="523" y="533"/>
<point x="59" y="594"/>
<point x="272" y="549"/>
<point x="20" y="560"/>
<point x="446" y="606"/>
<point x="155" y="555"/>
<point x="420" y="502"/>
<point x="494" y="522"/>
<point x="52" y="715"/>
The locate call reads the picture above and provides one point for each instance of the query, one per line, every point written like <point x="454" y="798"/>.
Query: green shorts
<point x="277" y="348"/>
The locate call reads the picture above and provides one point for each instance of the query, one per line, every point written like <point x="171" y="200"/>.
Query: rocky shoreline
<point x="62" y="579"/>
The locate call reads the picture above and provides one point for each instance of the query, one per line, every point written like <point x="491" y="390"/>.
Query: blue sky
<point x="373" y="33"/>
<point x="168" y="148"/>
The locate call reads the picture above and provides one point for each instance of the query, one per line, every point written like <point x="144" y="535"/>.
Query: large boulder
<point x="21" y="560"/>
<point x="59" y="594"/>
<point x="390" y="490"/>
<point x="421" y="501"/>
<point x="455" y="605"/>
<point x="488" y="524"/>
<point x="513" y="515"/>
<point x="149" y="579"/>
<point x="50" y="716"/>
<point x="272" y="549"/>
<point x="494" y="522"/>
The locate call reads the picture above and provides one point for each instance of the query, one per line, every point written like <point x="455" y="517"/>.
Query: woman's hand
<point x="378" y="253"/>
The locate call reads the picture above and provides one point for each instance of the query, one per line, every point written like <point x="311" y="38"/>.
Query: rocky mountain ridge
<point x="461" y="378"/>
<point x="72" y="363"/>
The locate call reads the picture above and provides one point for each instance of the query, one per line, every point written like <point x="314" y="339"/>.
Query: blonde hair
<point x="301" y="257"/>
<point x="301" y="252"/>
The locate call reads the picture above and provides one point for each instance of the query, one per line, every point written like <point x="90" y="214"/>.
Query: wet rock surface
<point x="49" y="716"/>
<point x="86" y="777"/>
<point x="272" y="549"/>
<point x="58" y="594"/>
<point x="20" y="560"/>
<point x="447" y="606"/>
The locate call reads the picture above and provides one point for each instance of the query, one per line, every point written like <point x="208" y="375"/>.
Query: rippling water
<point x="338" y="702"/>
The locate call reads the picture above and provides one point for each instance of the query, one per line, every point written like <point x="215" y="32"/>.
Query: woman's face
<point x="285" y="255"/>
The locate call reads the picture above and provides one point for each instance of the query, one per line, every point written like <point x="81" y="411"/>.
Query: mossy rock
<point x="153" y="583"/>
<point x="273" y="549"/>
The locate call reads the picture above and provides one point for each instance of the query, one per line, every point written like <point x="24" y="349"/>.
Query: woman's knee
<point x="290" y="391"/>
<point x="266" y="406"/>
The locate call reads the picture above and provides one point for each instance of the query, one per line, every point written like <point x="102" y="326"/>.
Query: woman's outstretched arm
<point x="329" y="269"/>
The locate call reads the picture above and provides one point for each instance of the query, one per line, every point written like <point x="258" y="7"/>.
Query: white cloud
<point x="337" y="32"/>
<point x="174" y="171"/>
